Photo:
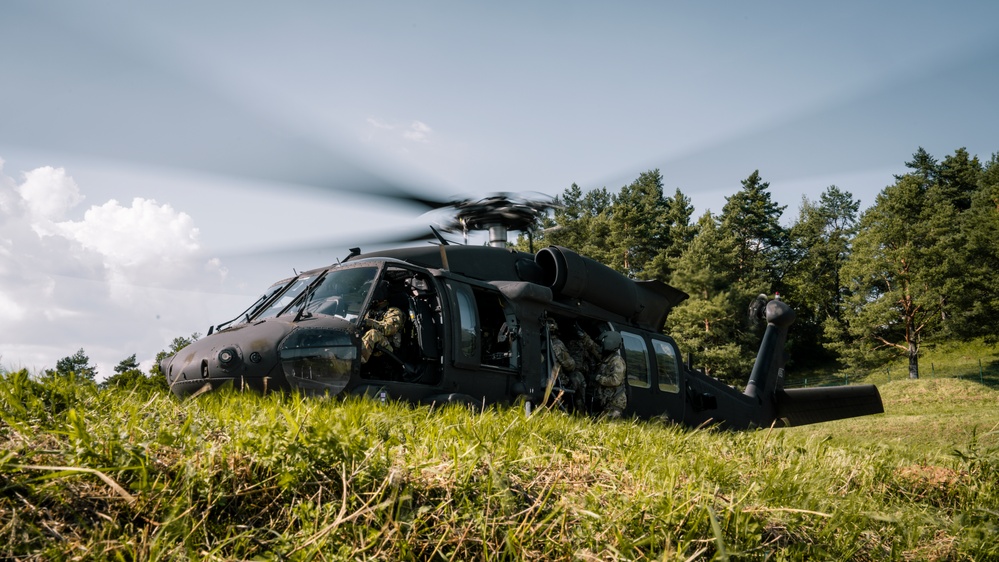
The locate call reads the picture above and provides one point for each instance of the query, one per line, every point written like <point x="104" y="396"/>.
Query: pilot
<point x="610" y="377"/>
<point x="570" y="366"/>
<point x="384" y="324"/>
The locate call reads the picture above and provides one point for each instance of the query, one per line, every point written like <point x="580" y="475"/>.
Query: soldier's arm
<point x="589" y="345"/>
<point x="390" y="322"/>
<point x="562" y="355"/>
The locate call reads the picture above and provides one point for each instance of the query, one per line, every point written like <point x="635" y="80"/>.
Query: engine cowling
<point x="571" y="275"/>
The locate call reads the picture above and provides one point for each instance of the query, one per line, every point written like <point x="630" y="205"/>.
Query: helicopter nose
<point x="165" y="365"/>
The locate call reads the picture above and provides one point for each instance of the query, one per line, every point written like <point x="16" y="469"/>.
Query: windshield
<point x="341" y="293"/>
<point x="294" y="289"/>
<point x="261" y="301"/>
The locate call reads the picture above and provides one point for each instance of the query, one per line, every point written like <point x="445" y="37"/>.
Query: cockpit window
<point x="257" y="305"/>
<point x="340" y="293"/>
<point x="289" y="295"/>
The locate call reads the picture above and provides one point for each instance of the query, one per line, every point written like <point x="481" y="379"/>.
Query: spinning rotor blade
<point x="144" y="107"/>
<point x="336" y="248"/>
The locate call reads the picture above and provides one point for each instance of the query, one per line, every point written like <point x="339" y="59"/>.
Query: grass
<point x="973" y="360"/>
<point x="95" y="474"/>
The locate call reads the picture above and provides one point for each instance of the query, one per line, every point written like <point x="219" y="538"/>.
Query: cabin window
<point x="636" y="356"/>
<point x="469" y="323"/>
<point x="668" y="364"/>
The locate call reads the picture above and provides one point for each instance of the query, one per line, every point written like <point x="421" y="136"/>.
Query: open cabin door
<point x="485" y="349"/>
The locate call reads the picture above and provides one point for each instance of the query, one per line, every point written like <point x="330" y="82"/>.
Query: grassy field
<point x="93" y="474"/>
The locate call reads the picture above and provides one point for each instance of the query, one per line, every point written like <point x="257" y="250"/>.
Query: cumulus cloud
<point x="145" y="231"/>
<point x="99" y="279"/>
<point x="48" y="193"/>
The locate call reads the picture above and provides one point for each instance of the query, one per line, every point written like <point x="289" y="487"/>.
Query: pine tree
<point x="754" y="219"/>
<point x="77" y="364"/>
<point x="820" y="244"/>
<point x="958" y="176"/>
<point x="976" y="304"/>
<point x="580" y="222"/>
<point x="900" y="268"/>
<point x="709" y="322"/>
<point x="681" y="234"/>
<point x="639" y="224"/>
<point x="127" y="374"/>
<point x="923" y="166"/>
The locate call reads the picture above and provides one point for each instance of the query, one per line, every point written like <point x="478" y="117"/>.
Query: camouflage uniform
<point x="562" y="355"/>
<point x="586" y="354"/>
<point x="610" y="378"/>
<point x="385" y="330"/>
<point x="569" y="375"/>
<point x="610" y="375"/>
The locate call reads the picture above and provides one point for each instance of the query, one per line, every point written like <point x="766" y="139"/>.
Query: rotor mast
<point x="497" y="235"/>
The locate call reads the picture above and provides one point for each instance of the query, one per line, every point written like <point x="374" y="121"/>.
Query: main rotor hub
<point x="498" y="214"/>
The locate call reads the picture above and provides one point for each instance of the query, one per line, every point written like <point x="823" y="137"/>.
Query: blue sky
<point x="148" y="149"/>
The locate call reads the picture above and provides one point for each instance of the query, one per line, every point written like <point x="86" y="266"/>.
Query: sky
<point x="161" y="164"/>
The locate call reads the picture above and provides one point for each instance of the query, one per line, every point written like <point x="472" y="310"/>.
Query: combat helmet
<point x="609" y="341"/>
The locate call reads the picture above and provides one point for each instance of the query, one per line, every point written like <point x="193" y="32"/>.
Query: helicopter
<point x="478" y="328"/>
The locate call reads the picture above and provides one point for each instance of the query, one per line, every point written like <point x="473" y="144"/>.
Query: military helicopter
<point x="478" y="329"/>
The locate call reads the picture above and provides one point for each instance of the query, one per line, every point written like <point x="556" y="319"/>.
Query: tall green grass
<point x="96" y="474"/>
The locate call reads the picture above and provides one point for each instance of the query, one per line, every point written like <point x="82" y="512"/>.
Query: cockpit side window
<point x="340" y="293"/>
<point x="469" y="324"/>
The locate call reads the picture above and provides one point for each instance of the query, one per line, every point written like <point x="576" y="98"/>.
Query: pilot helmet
<point x="609" y="341"/>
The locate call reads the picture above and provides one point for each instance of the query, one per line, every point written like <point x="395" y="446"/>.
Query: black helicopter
<point x="478" y="324"/>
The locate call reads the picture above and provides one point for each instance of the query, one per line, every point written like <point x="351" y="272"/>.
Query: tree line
<point x="921" y="264"/>
<point x="127" y="373"/>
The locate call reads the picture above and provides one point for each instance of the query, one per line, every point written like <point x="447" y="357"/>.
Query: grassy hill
<point x="106" y="474"/>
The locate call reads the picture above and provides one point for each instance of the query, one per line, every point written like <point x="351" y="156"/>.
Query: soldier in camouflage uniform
<point x="586" y="354"/>
<point x="610" y="376"/>
<point x="570" y="375"/>
<point x="384" y="325"/>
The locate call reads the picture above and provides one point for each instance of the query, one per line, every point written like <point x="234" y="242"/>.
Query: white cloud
<point x="418" y="132"/>
<point x="11" y="310"/>
<point x="115" y="281"/>
<point x="48" y="193"/>
<point x="146" y="231"/>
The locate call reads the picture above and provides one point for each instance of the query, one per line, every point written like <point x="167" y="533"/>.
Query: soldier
<point x="569" y="371"/>
<point x="610" y="376"/>
<point x="383" y="322"/>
